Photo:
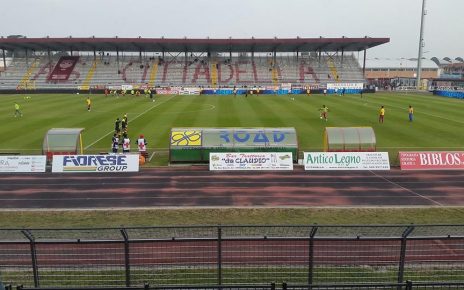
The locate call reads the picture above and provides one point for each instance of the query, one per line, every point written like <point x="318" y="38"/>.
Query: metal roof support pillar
<point x="162" y="54"/>
<point x="230" y="54"/>
<point x="297" y="53"/>
<point x="117" y="57"/>
<point x="27" y="58"/>
<point x="252" y="55"/>
<point x="49" y="59"/>
<point x="364" y="64"/>
<point x="94" y="55"/>
<point x="343" y="51"/>
<point x="319" y="59"/>
<point x="4" y="60"/>
<point x="140" y="55"/>
<point x="71" y="51"/>
<point x="185" y="56"/>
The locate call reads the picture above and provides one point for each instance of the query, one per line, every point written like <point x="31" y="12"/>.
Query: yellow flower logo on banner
<point x="186" y="138"/>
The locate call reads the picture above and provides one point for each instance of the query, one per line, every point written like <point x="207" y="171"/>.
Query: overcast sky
<point x="397" y="19"/>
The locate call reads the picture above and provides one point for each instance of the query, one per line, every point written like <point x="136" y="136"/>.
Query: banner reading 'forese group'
<point x="96" y="163"/>
<point x="22" y="163"/>
<point x="432" y="160"/>
<point x="346" y="161"/>
<point x="251" y="161"/>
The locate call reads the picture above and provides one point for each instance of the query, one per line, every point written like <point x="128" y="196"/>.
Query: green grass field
<point x="438" y="121"/>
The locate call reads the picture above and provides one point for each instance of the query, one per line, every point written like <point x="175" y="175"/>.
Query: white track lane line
<point x="135" y="118"/>
<point x="407" y="189"/>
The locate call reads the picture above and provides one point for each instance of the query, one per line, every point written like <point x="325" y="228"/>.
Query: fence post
<point x="408" y="285"/>
<point x="35" y="270"/>
<point x="404" y="238"/>
<point x="126" y="256"/>
<point x="219" y="255"/>
<point x="311" y="255"/>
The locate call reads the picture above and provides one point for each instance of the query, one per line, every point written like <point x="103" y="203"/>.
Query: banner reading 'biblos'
<point x="432" y="160"/>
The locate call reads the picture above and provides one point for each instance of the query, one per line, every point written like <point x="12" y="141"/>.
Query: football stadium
<point x="259" y="163"/>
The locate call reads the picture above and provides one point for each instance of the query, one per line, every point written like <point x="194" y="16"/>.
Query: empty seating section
<point x="171" y="71"/>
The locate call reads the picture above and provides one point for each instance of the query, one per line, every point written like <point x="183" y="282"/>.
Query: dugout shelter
<point x="349" y="139"/>
<point x="62" y="141"/>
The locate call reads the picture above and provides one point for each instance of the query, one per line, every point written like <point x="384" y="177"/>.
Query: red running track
<point x="196" y="186"/>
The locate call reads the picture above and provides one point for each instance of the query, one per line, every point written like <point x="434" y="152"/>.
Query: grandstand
<point x="100" y="63"/>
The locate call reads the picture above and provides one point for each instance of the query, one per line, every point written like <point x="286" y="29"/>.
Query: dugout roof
<point x="192" y="45"/>
<point x="67" y="140"/>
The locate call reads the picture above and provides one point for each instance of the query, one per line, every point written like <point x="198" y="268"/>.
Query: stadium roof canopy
<point x="399" y="63"/>
<point x="191" y="45"/>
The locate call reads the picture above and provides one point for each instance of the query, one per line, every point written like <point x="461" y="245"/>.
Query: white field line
<point x="421" y="112"/>
<point x="151" y="156"/>
<point x="135" y="118"/>
<point x="209" y="108"/>
<point x="312" y="148"/>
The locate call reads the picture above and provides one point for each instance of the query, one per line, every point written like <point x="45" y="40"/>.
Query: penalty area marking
<point x="135" y="118"/>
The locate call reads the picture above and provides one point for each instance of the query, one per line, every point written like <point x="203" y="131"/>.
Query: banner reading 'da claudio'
<point x="251" y="161"/>
<point x="96" y="163"/>
<point x="22" y="163"/>
<point x="346" y="161"/>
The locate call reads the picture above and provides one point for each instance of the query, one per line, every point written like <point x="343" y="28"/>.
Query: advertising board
<point x="190" y="91"/>
<point x="22" y="163"/>
<point x="251" y="161"/>
<point x="96" y="163"/>
<point x="355" y="86"/>
<point x="346" y="161"/>
<point x="432" y="160"/>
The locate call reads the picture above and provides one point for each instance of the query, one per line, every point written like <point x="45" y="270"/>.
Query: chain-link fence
<point x="231" y="255"/>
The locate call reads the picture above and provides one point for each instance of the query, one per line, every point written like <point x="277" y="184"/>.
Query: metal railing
<point x="227" y="255"/>
<point x="408" y="285"/>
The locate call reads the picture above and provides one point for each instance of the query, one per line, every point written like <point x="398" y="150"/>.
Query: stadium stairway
<point x="153" y="73"/>
<point x="214" y="73"/>
<point x="275" y="78"/>
<point x="89" y="77"/>
<point x="333" y="69"/>
<point x="26" y="82"/>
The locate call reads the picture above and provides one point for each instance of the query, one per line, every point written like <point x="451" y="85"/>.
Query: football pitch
<point x="438" y="122"/>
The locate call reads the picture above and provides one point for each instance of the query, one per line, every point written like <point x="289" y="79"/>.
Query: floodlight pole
<point x="421" y="45"/>
<point x="4" y="60"/>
